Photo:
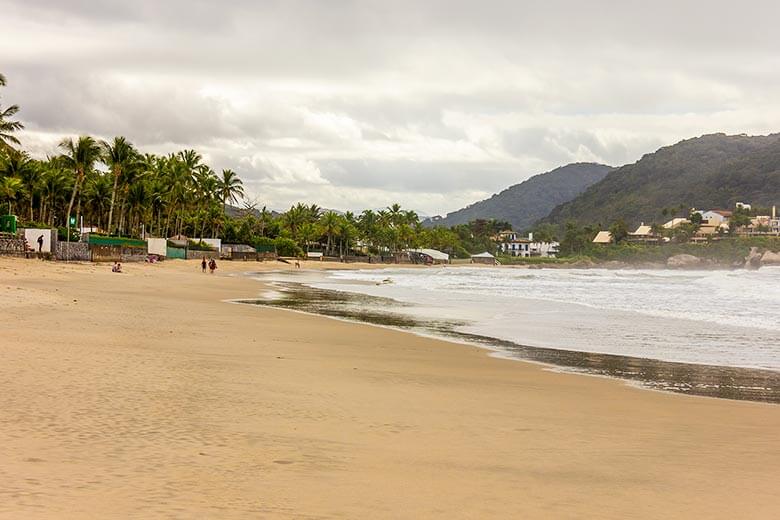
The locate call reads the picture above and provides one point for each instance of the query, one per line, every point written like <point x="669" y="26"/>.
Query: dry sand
<point x="143" y="395"/>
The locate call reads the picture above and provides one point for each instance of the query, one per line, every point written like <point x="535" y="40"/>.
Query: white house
<point x="512" y="244"/>
<point x="676" y="222"/>
<point x="546" y="249"/>
<point x="716" y="217"/>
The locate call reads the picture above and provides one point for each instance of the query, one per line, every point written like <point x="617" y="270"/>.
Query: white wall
<point x="157" y="246"/>
<point x="32" y="239"/>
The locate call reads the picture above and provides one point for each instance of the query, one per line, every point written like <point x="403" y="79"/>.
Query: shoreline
<point x="143" y="395"/>
<point x="696" y="379"/>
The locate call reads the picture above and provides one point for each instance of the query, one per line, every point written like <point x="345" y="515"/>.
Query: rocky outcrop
<point x="753" y="259"/>
<point x="683" y="262"/>
<point x="770" y="258"/>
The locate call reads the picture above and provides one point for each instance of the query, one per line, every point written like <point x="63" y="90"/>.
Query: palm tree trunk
<point x="70" y="204"/>
<point x="113" y="199"/>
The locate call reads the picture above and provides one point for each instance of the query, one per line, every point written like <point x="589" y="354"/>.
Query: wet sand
<point x="144" y="395"/>
<point x="749" y="384"/>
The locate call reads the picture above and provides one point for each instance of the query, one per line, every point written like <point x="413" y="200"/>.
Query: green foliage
<point x="546" y="232"/>
<point x="523" y="204"/>
<point x="576" y="240"/>
<point x="199" y="246"/>
<point x="287" y="247"/>
<point x="619" y="231"/>
<point x="713" y="171"/>
<point x="724" y="252"/>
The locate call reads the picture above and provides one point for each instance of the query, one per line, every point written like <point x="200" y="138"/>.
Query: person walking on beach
<point x="40" y="244"/>
<point x="203" y="265"/>
<point x="212" y="265"/>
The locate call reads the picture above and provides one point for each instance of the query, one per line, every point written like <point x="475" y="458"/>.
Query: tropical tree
<point x="230" y="188"/>
<point x="119" y="155"/>
<point x="330" y="223"/>
<point x="10" y="187"/>
<point x="80" y="156"/>
<point x="7" y="126"/>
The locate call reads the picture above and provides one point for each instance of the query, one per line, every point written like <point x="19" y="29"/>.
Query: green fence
<point x="98" y="240"/>
<point x="176" y="252"/>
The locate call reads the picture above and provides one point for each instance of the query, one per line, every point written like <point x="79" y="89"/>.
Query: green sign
<point x="72" y="221"/>
<point x="8" y="224"/>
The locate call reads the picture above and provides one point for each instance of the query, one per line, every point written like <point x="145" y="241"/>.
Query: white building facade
<point x="510" y="243"/>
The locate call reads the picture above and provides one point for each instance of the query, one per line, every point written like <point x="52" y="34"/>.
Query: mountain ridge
<point x="524" y="203"/>
<point x="710" y="171"/>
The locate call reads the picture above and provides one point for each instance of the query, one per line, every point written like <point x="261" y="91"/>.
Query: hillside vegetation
<point x="523" y="204"/>
<point x="712" y="171"/>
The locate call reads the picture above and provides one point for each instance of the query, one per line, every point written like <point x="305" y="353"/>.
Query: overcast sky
<point x="355" y="104"/>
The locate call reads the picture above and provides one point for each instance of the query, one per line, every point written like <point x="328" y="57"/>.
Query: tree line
<point x="113" y="186"/>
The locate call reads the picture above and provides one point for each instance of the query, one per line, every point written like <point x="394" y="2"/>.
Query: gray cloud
<point x="360" y="104"/>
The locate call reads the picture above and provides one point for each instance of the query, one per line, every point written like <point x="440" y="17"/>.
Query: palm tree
<point x="230" y="188"/>
<point x="80" y="156"/>
<point x="8" y="127"/>
<point x="19" y="166"/>
<point x="295" y="218"/>
<point x="97" y="192"/>
<point x="118" y="155"/>
<point x="9" y="188"/>
<point x="55" y="185"/>
<point x="329" y="224"/>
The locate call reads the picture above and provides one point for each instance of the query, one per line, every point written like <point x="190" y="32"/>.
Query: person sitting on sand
<point x="203" y="265"/>
<point x="117" y="268"/>
<point x="212" y="265"/>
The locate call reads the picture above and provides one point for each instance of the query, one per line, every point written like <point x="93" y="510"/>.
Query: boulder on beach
<point x="770" y="258"/>
<point x="683" y="261"/>
<point x="753" y="259"/>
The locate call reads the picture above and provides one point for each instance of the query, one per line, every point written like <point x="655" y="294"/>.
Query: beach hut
<point x="429" y="256"/>
<point x="484" y="258"/>
<point x="603" y="237"/>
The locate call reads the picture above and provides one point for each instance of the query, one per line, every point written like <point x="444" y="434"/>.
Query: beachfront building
<point x="512" y="244"/>
<point x="603" y="237"/>
<point x="675" y="223"/>
<point x="763" y="225"/>
<point x="718" y="217"/>
<point x="643" y="234"/>
<point x="484" y="258"/>
<point x="544" y="249"/>
<point x="428" y="256"/>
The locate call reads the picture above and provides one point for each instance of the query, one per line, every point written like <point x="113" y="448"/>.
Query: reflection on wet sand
<point x="703" y="380"/>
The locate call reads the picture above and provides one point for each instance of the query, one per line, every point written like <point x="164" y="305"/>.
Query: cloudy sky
<point x="355" y="104"/>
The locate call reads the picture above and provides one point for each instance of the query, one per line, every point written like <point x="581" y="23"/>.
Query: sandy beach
<point x="146" y="395"/>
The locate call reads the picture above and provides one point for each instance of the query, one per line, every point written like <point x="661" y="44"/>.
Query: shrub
<point x="287" y="247"/>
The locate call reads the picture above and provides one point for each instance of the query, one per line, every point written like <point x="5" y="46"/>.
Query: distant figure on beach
<point x="297" y="264"/>
<point x="117" y="268"/>
<point x="40" y="244"/>
<point x="203" y="265"/>
<point x="212" y="265"/>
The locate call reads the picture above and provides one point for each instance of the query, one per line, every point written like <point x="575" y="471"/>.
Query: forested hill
<point x="523" y="204"/>
<point x="712" y="171"/>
